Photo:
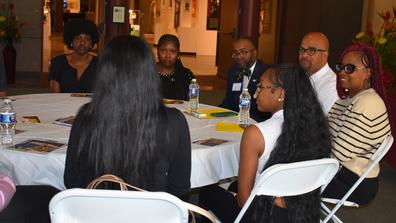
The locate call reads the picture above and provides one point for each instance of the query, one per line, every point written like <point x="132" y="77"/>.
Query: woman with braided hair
<point x="358" y="122"/>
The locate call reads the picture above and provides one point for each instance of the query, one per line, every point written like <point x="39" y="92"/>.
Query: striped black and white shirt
<point x="358" y="125"/>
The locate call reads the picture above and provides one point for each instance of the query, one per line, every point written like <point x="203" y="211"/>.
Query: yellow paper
<point x="228" y="127"/>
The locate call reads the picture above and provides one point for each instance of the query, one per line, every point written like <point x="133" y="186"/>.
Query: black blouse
<point x="175" y="86"/>
<point x="173" y="170"/>
<point x="66" y="75"/>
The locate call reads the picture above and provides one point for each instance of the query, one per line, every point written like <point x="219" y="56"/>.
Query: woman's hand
<point x="54" y="86"/>
<point x="280" y="202"/>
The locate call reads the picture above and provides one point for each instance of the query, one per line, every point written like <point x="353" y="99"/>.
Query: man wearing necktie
<point x="244" y="74"/>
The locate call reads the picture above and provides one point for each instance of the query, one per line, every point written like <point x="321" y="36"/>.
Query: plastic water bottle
<point x="194" y="94"/>
<point x="7" y="123"/>
<point x="244" y="107"/>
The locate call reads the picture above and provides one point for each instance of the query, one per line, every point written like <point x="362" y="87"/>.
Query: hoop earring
<point x="366" y="83"/>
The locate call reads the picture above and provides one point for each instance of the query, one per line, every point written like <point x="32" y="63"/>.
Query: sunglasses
<point x="347" y="68"/>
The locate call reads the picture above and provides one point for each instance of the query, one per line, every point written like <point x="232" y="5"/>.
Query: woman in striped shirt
<point x="358" y="122"/>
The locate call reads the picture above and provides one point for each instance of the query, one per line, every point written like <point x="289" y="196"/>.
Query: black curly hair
<point x="305" y="136"/>
<point x="76" y="27"/>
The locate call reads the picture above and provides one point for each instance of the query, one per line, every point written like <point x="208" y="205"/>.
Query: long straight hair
<point x="119" y="126"/>
<point x="305" y="136"/>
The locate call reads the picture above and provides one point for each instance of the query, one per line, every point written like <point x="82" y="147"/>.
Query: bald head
<point x="319" y="38"/>
<point x="318" y="41"/>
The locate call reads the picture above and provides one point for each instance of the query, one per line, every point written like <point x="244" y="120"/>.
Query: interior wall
<point x="340" y="20"/>
<point x="29" y="49"/>
<point x="192" y="33"/>
<point x="267" y="41"/>
<point x="374" y="7"/>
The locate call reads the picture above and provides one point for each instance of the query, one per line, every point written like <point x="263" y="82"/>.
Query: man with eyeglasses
<point x="313" y="54"/>
<point x="245" y="73"/>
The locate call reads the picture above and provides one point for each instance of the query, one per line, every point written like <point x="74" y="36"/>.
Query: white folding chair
<point x="292" y="179"/>
<point x="377" y="156"/>
<point x="103" y="206"/>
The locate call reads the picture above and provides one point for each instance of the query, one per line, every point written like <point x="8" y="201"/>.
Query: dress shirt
<point x="247" y="79"/>
<point x="325" y="84"/>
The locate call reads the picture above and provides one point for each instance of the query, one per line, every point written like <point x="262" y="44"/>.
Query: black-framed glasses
<point x="310" y="50"/>
<point x="241" y="52"/>
<point x="347" y="68"/>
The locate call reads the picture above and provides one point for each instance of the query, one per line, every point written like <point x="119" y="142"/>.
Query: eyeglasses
<point x="310" y="51"/>
<point x="259" y="87"/>
<point x="347" y="68"/>
<point x="242" y="52"/>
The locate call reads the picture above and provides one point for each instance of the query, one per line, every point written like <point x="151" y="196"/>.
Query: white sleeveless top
<point x="270" y="129"/>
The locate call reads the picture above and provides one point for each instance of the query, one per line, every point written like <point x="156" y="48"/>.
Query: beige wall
<point x="267" y="41"/>
<point x="194" y="37"/>
<point x="29" y="49"/>
<point x="371" y="7"/>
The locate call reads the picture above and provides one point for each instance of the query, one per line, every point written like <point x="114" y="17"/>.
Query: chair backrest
<point x="375" y="158"/>
<point x="292" y="179"/>
<point x="86" y="205"/>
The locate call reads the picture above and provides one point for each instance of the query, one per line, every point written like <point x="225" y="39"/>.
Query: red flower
<point x="384" y="15"/>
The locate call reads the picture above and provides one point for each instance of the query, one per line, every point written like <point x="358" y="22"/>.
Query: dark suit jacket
<point x="231" y="100"/>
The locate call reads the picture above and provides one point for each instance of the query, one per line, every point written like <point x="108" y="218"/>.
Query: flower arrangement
<point x="384" y="42"/>
<point x="10" y="26"/>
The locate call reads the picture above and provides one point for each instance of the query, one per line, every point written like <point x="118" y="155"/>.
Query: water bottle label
<point x="194" y="91"/>
<point x="244" y="101"/>
<point x="7" y="117"/>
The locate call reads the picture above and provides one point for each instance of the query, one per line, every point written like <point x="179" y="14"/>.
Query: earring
<point x="280" y="99"/>
<point x="366" y="83"/>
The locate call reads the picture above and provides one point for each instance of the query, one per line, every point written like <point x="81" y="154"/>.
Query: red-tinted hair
<point x="371" y="59"/>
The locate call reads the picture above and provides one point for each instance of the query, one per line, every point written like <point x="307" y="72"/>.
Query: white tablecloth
<point x="209" y="164"/>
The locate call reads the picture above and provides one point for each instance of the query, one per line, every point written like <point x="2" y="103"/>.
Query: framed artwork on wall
<point x="213" y="18"/>
<point x="265" y="16"/>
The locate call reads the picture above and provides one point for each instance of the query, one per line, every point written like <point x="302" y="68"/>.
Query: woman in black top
<point x="75" y="72"/>
<point x="126" y="130"/>
<point x="175" y="78"/>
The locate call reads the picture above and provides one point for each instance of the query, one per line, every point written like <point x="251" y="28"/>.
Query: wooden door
<point x="225" y="36"/>
<point x="340" y="20"/>
<point x="100" y="21"/>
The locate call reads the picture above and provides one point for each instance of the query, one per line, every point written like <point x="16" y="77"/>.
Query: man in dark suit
<point x="244" y="74"/>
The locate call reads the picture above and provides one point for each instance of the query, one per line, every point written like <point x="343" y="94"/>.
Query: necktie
<point x="246" y="72"/>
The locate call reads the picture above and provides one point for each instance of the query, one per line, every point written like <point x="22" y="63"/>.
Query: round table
<point x="209" y="163"/>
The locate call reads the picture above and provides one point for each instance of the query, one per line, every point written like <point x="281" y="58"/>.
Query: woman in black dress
<point x="75" y="72"/>
<point x="175" y="78"/>
<point x="126" y="130"/>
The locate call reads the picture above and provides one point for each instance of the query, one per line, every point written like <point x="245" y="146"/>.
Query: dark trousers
<point x="225" y="206"/>
<point x="29" y="205"/>
<point x="343" y="181"/>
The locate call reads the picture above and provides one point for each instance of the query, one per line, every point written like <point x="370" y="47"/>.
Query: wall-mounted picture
<point x="213" y="20"/>
<point x="265" y="16"/>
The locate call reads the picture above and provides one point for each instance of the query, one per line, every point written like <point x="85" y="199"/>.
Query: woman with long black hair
<point x="126" y="130"/>
<point x="297" y="131"/>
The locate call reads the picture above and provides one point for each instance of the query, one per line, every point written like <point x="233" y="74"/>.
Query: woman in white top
<point x="296" y="131"/>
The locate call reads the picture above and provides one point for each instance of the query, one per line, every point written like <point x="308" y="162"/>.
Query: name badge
<point x="237" y="87"/>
